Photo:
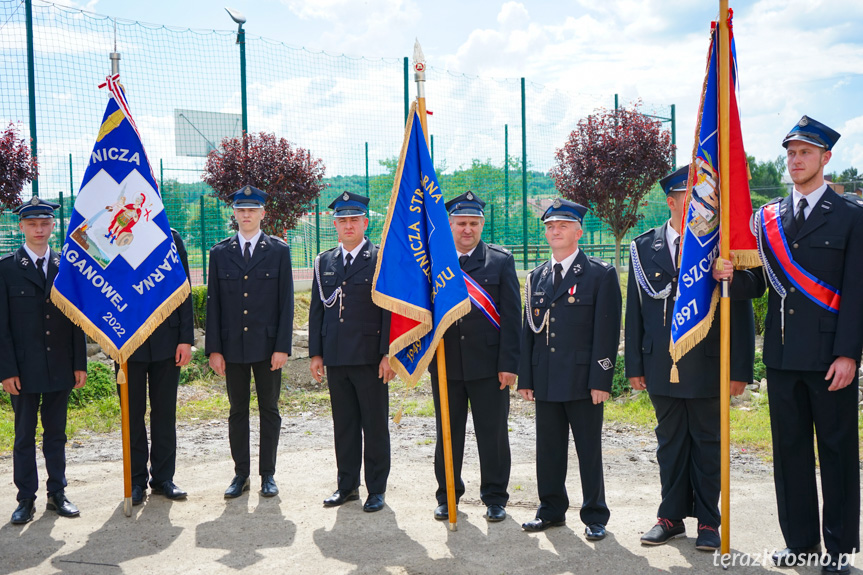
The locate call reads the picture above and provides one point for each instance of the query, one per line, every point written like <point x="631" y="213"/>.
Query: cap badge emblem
<point x="34" y="201"/>
<point x="469" y="196"/>
<point x="556" y="203"/>
<point x="345" y="196"/>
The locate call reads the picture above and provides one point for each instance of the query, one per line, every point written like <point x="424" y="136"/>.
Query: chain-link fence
<point x="184" y="87"/>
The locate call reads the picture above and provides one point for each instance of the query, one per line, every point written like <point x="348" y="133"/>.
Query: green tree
<point x="766" y="182"/>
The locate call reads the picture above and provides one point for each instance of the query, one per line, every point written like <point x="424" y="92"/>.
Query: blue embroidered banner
<point x="120" y="275"/>
<point x="418" y="277"/>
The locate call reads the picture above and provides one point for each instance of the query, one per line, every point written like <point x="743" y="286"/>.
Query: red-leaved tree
<point x="289" y="174"/>
<point x="610" y="162"/>
<point x="17" y="167"/>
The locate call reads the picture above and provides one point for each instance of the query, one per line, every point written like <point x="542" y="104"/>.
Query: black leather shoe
<point x="340" y="497"/>
<point x="374" y="502"/>
<point x="839" y="563"/>
<point x="441" y="512"/>
<point x="595" y="532"/>
<point x="708" y="538"/>
<point x="540" y="524"/>
<point x="792" y="556"/>
<point x="137" y="495"/>
<point x="268" y="486"/>
<point x="238" y="485"/>
<point x="495" y="513"/>
<point x="664" y="531"/>
<point x="59" y="503"/>
<point x="24" y="513"/>
<point x="168" y="489"/>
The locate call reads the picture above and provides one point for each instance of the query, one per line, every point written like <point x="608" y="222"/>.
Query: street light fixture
<point x="241" y="40"/>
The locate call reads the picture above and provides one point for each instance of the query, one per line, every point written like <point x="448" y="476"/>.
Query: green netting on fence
<point x="184" y="89"/>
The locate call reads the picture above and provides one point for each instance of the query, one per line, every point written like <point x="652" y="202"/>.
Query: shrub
<point x="199" y="305"/>
<point x="196" y="369"/>
<point x="759" y="306"/>
<point x="759" y="372"/>
<point x="619" y="385"/>
<point x="100" y="383"/>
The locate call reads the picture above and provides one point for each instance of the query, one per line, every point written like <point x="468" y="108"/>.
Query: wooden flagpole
<point x="452" y="506"/>
<point x="123" y="384"/>
<point x="724" y="40"/>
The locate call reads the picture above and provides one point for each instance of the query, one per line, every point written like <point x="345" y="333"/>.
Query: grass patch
<point x="416" y="407"/>
<point x="637" y="412"/>
<point x="302" y="302"/>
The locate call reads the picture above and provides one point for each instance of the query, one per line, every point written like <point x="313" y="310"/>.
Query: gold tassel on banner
<point x="674" y="377"/>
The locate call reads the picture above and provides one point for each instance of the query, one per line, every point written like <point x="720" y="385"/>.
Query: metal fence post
<point x="31" y="85"/>
<point x="71" y="182"/>
<point x="523" y="174"/>
<point x="407" y="93"/>
<point x="318" y="225"/>
<point x="674" y="134"/>
<point x="203" y="239"/>
<point x="506" y="181"/>
<point x="62" y="220"/>
<point x="367" y="170"/>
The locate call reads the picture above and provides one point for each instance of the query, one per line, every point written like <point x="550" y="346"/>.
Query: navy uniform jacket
<point x="583" y="335"/>
<point x="360" y="336"/>
<point x="830" y="248"/>
<point x="176" y="329"/>
<point x="38" y="343"/>
<point x="647" y="336"/>
<point x="250" y="308"/>
<point x="474" y="348"/>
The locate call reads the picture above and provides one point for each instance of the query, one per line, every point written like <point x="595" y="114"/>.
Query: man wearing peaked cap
<point x="250" y="314"/>
<point x="349" y="343"/>
<point x="569" y="347"/>
<point x="812" y="251"/>
<point x="481" y="360"/>
<point x="687" y="413"/>
<point x="43" y="356"/>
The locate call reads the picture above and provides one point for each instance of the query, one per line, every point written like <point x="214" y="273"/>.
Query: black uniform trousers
<point x="489" y="406"/>
<point x="161" y="378"/>
<point x="798" y="400"/>
<point x="268" y="385"/>
<point x="688" y="449"/>
<point x="360" y="402"/>
<point x="554" y="420"/>
<point x="52" y="407"/>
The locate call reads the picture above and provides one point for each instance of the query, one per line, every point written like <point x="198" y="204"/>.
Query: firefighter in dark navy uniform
<point x="481" y="360"/>
<point x="349" y="340"/>
<point x="250" y="314"/>
<point x="155" y="368"/>
<point x="570" y="338"/>
<point x="43" y="356"/>
<point x="811" y="245"/>
<point x="687" y="413"/>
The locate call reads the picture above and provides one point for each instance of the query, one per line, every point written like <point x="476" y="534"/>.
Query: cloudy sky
<point x="795" y="56"/>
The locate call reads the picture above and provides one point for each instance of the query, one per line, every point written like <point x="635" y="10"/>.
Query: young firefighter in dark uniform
<point x="43" y="356"/>
<point x="350" y="336"/>
<point x="569" y="347"/>
<point x="156" y="364"/>
<point x="481" y="361"/>
<point x="687" y="413"/>
<point x="250" y="314"/>
<point x="811" y="245"/>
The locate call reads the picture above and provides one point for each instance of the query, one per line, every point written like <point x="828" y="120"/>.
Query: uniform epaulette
<point x="225" y="241"/>
<point x="500" y="249"/>
<point x="775" y="200"/>
<point x="853" y="199"/>
<point x="279" y="240"/>
<point x="599" y="261"/>
<point x="644" y="234"/>
<point x="7" y="256"/>
<point x="539" y="266"/>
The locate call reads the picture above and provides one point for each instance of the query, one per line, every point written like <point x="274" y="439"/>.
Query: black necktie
<point x="247" y="252"/>
<point x="39" y="266"/>
<point x="800" y="218"/>
<point x="348" y="259"/>
<point x="676" y="251"/>
<point x="462" y="260"/>
<point x="558" y="275"/>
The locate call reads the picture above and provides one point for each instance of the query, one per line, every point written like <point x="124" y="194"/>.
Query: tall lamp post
<point x="241" y="40"/>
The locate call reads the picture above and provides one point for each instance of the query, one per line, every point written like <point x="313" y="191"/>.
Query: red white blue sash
<point x="480" y="298"/>
<point x="818" y="291"/>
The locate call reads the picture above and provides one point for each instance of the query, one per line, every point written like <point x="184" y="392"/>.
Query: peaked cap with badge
<point x="348" y="204"/>
<point x="249" y="197"/>
<point x="812" y="132"/>
<point x="564" y="210"/>
<point x="36" y="207"/>
<point x="467" y="204"/>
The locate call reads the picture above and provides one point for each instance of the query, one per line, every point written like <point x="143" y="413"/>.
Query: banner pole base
<point x="127" y="506"/>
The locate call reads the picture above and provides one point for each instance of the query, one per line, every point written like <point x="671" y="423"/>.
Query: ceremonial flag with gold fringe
<point x="698" y="293"/>
<point x="120" y="275"/>
<point x="418" y="277"/>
